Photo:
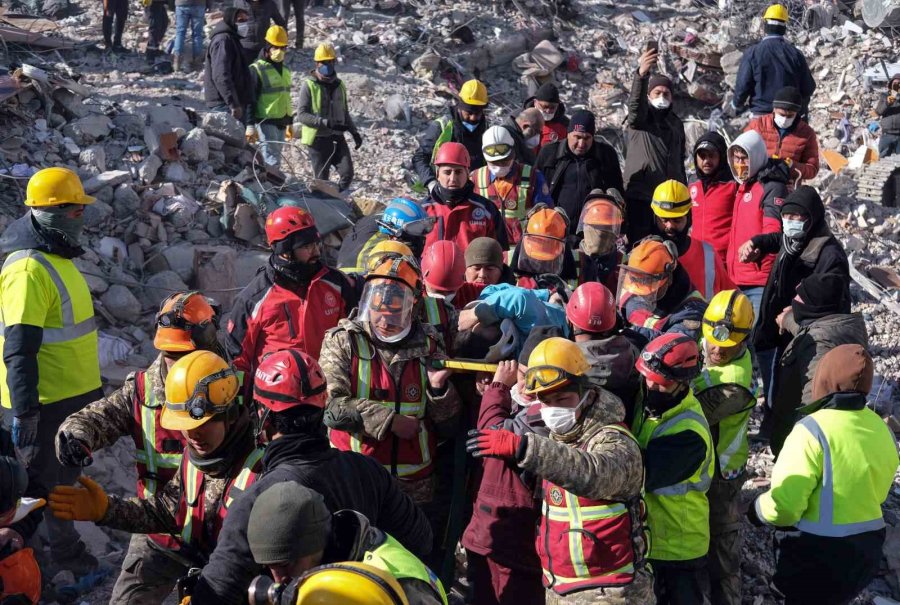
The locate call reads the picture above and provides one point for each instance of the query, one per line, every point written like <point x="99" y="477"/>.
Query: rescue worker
<point x="678" y="457"/>
<point x="514" y="187"/>
<point x="830" y="489"/>
<point x="599" y="226"/>
<point x="671" y="207"/>
<point x="656" y="295"/>
<point x="484" y="267"/>
<point x="713" y="193"/>
<point x="888" y="108"/>
<point x="273" y="114"/>
<point x="726" y="391"/>
<point x="289" y="393"/>
<point x="403" y="220"/>
<point x="464" y="124"/>
<point x="263" y="15"/>
<point x="579" y="164"/>
<point x="218" y="464"/>
<point x="525" y="128"/>
<point x="347" y="584"/>
<point x="543" y="258"/>
<point x="382" y="356"/>
<point x="291" y="530"/>
<point x="655" y="143"/>
<point x="50" y="366"/>
<point x="460" y="214"/>
<point x="591" y="540"/>
<point x="325" y="117"/>
<point x="293" y="301"/>
<point x="768" y="66"/>
<point x="20" y="576"/>
<point x="788" y="136"/>
<point x="186" y="322"/>
<point x="553" y="110"/>
<point x="610" y="348"/>
<point x="443" y="274"/>
<point x="756" y="211"/>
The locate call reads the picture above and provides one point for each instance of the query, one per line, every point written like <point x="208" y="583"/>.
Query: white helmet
<point x="497" y="144"/>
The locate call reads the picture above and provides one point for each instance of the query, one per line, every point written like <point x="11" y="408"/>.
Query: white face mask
<point x="499" y="171"/>
<point x="560" y="420"/>
<point x="793" y="228"/>
<point x="395" y="338"/>
<point x="548" y="115"/>
<point x="533" y="141"/>
<point x="784" y="121"/>
<point x="661" y="103"/>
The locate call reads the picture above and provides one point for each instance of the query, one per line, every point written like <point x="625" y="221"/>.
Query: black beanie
<point x="658" y="80"/>
<point x="548" y="93"/>
<point x="583" y="121"/>
<point x="822" y="294"/>
<point x="287" y="521"/>
<point x="788" y="98"/>
<point x="537" y="335"/>
<point x="805" y="200"/>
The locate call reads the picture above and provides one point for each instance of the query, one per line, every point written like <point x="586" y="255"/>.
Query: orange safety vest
<point x="514" y="210"/>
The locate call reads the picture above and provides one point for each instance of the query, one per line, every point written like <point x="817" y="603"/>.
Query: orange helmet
<point x="401" y="270"/>
<point x="653" y="256"/>
<point x="602" y="213"/>
<point x="545" y="233"/>
<point x="186" y="322"/>
<point x="20" y="576"/>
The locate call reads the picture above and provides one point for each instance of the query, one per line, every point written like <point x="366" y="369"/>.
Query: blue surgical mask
<point x="470" y="127"/>
<point x="326" y="70"/>
<point x="793" y="228"/>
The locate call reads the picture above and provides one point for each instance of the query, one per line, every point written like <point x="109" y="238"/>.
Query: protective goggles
<point x="547" y="377"/>
<point x="722" y="330"/>
<point x="654" y="362"/>
<point x="497" y="150"/>
<point x="418" y="228"/>
<point x="199" y="404"/>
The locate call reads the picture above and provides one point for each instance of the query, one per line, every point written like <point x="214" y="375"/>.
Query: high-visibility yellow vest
<point x="390" y="556"/>
<point x="308" y="133"/>
<point x="679" y="514"/>
<point x="446" y="135"/>
<point x="47" y="290"/>
<point x="151" y="461"/>
<point x="275" y="91"/>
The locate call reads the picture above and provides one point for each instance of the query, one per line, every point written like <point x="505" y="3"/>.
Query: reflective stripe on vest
<point x="701" y="484"/>
<point x="392" y="557"/>
<point x="308" y="133"/>
<point x="826" y="526"/>
<point x="433" y="311"/>
<point x="70" y="330"/>
<point x="275" y="90"/>
<point x="709" y="267"/>
<point x="244" y="477"/>
<point x="446" y="135"/>
<point x="149" y="457"/>
<point x="483" y="183"/>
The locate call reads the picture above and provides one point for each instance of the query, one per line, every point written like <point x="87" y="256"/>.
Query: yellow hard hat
<point x="325" y="52"/>
<point x="728" y="318"/>
<point x="198" y="386"/>
<point x="473" y="92"/>
<point x="671" y="199"/>
<point x="55" y="186"/>
<point x="349" y="583"/>
<point x="387" y="249"/>
<point x="554" y="363"/>
<point x="277" y="36"/>
<point x="776" y="12"/>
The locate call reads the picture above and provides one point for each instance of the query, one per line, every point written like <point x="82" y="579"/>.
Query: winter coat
<point x="767" y="67"/>
<point x="655" y="144"/>
<point x="555" y="129"/>
<point x="571" y="178"/>
<point x="226" y="75"/>
<point x="346" y="480"/>
<point x="335" y="107"/>
<point x="462" y="222"/>
<point x="471" y="140"/>
<point x="705" y="269"/>
<point x="262" y="14"/>
<point x="679" y="310"/>
<point x="525" y="307"/>
<point x="797" y="143"/>
<point x="524" y="154"/>
<point x="712" y="200"/>
<point x="798" y="364"/>
<point x="890" y="114"/>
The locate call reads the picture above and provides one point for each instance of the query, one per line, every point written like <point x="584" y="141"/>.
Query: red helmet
<point x="592" y="308"/>
<point x="288" y="220"/>
<point x="453" y="153"/>
<point x="444" y="266"/>
<point x="289" y="378"/>
<point x="670" y="358"/>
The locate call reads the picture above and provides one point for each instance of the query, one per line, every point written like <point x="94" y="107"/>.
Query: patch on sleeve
<point x="779" y="201"/>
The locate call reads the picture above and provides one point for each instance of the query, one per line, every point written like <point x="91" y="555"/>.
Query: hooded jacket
<point x="262" y="14"/>
<point x="767" y="67"/>
<point x="712" y="199"/>
<point x="798" y="143"/>
<point x="555" y="129"/>
<point x="226" y="75"/>
<point x="471" y="140"/>
<point x="889" y="111"/>
<point x="756" y="210"/>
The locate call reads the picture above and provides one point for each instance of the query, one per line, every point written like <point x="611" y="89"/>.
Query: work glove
<point x="495" y="443"/>
<point x="288" y="132"/>
<point x="79" y="504"/>
<point x="357" y="139"/>
<point x="24" y="435"/>
<point x="71" y="451"/>
<point x="250" y="134"/>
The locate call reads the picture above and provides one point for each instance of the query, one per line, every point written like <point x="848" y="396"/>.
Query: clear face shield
<point x="649" y="287"/>
<point x="387" y="305"/>
<point x="541" y="254"/>
<point x="600" y="225"/>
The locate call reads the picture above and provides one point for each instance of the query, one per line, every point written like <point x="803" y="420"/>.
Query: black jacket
<point x="890" y="115"/>
<point x="472" y="141"/>
<point x="523" y="153"/>
<point x="345" y="480"/>
<point x="226" y="75"/>
<point x="767" y="67"/>
<point x="262" y="14"/>
<point x="602" y="166"/>
<point x="27" y="526"/>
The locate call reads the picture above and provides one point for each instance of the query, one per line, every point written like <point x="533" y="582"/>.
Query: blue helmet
<point x="404" y="217"/>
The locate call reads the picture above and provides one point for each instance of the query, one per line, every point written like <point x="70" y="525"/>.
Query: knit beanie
<point x="821" y="294"/>
<point x="845" y="368"/>
<point x="583" y="121"/>
<point x="537" y="335"/>
<point x="788" y="98"/>
<point x="484" y="251"/>
<point x="548" y="93"/>
<point x="288" y="521"/>
<point x="658" y="80"/>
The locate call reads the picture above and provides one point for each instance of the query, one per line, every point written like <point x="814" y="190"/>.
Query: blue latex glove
<point x="24" y="435"/>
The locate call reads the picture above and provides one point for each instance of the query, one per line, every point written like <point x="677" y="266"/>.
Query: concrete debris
<point x="224" y="126"/>
<point x="121" y="303"/>
<point x="195" y="146"/>
<point x="106" y="179"/>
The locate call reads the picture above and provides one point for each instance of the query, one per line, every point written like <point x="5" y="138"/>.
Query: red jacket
<point x="272" y="313"/>
<point x="705" y="268"/>
<point x="506" y="512"/>
<point x="553" y="131"/>
<point x="756" y="210"/>
<point x="468" y="292"/>
<point x="461" y="223"/>
<point x="799" y="143"/>
<point x="711" y="208"/>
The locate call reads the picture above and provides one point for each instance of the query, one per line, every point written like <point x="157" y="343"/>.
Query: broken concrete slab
<point x="121" y="303"/>
<point x="159" y="286"/>
<point x="106" y="179"/>
<point x="168" y="117"/>
<point x="225" y="126"/>
<point x="149" y="168"/>
<point x="125" y="201"/>
<point x="195" y="146"/>
<point x="88" y="129"/>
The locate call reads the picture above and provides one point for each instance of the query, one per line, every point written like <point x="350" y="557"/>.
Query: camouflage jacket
<point x="347" y="412"/>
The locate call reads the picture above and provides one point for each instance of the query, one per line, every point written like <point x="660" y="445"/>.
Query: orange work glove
<point x="79" y="504"/>
<point x="289" y="132"/>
